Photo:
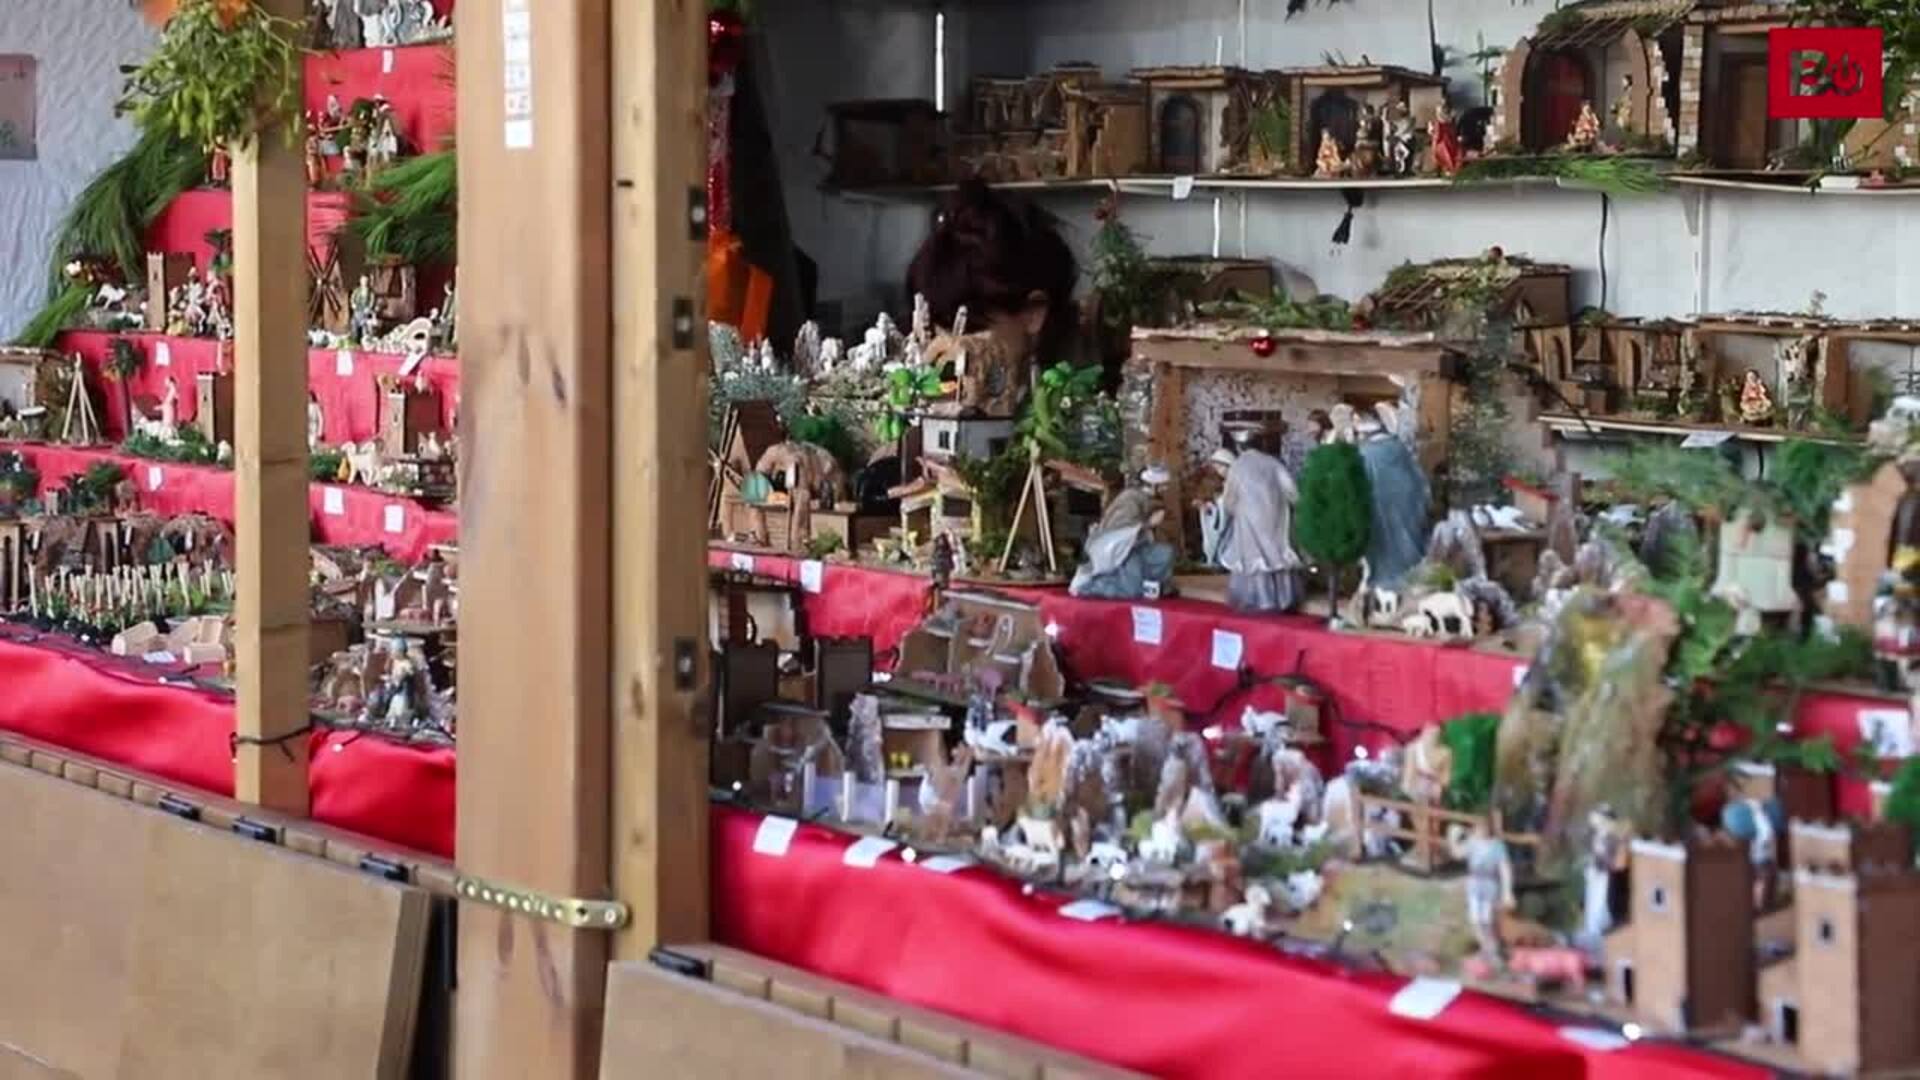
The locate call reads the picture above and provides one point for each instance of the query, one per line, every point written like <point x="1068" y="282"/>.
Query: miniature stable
<point x="1288" y="633"/>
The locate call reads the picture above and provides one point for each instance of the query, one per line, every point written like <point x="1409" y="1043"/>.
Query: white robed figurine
<point x="1257" y="550"/>
<point x="1124" y="560"/>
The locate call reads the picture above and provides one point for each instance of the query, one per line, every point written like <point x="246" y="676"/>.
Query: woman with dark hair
<point x="1006" y="264"/>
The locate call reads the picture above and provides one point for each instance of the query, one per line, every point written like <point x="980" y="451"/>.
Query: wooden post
<point x="270" y="463"/>
<point x="660" y="746"/>
<point x="535" y="196"/>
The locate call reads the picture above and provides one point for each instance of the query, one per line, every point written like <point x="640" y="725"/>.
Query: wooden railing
<point x="1425" y="828"/>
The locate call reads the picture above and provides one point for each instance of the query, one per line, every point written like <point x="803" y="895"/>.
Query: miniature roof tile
<point x="1601" y="22"/>
<point x="1380" y="71"/>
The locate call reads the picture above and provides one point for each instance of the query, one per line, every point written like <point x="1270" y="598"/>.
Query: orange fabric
<point x="738" y="293"/>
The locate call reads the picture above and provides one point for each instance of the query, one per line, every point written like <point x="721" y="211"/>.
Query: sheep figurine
<point x="1446" y="616"/>
<point x="1248" y="918"/>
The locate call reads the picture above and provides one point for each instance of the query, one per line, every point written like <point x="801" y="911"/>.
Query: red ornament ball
<point x="1263" y="346"/>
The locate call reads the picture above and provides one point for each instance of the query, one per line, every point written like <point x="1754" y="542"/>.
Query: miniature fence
<point x="1425" y="828"/>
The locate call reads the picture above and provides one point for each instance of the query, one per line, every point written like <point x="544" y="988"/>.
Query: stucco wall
<point x="80" y="45"/>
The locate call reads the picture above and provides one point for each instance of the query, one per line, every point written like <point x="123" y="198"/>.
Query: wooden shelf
<point x="1829" y="186"/>
<point x="1167" y="185"/>
<point x="1562" y="422"/>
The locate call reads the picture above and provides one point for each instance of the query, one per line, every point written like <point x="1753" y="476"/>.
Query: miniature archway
<point x="1558" y="83"/>
<point x="1180" y="136"/>
<point x="1334" y="111"/>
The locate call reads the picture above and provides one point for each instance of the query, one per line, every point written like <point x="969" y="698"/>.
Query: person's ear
<point x="1034" y="317"/>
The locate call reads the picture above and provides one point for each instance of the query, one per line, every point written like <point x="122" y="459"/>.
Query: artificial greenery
<point x="1282" y="312"/>
<point x="407" y="211"/>
<point x="92" y="491"/>
<point x="188" y="447"/>
<point x="220" y="247"/>
<point x="1273" y="132"/>
<point x="1811" y="476"/>
<point x="1472" y="739"/>
<point x="1903" y="802"/>
<point x="1123" y="277"/>
<point x="1700" y="481"/>
<point x="109" y="219"/>
<point x="822" y="545"/>
<point x="1051" y="417"/>
<point x="19" y="480"/>
<point x="1609" y="173"/>
<point x="1334" y="519"/>
<point x="907" y="389"/>
<point x="67" y="308"/>
<point x="831" y="433"/>
<point x="324" y="464"/>
<point x="219" y="78"/>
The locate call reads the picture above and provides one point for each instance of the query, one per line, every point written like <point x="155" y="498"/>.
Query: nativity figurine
<point x="1489" y="887"/>
<point x="1365" y="160"/>
<point x="1586" y="130"/>
<point x="1623" y="106"/>
<point x="1402" y="497"/>
<point x="1444" y="137"/>
<point x="1756" y="402"/>
<point x="1125" y="560"/>
<point x="1257" y="547"/>
<point x="1427" y="767"/>
<point x="1328" y="162"/>
<point x="1608" y="845"/>
<point x="1399" y="138"/>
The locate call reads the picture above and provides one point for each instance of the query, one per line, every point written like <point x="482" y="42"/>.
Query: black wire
<point x="236" y="740"/>
<point x="1606" y="211"/>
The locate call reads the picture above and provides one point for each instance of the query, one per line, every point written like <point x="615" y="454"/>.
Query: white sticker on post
<point x="155" y="477"/>
<point x="343" y="363"/>
<point x="333" y="501"/>
<point x="162" y="354"/>
<point x="1888" y="731"/>
<point x="1229" y="649"/>
<point x="1182" y="188"/>
<point x="774" y="836"/>
<point x="742" y="562"/>
<point x="386" y="61"/>
<point x="516" y="72"/>
<point x="1090" y="910"/>
<point x="813" y="575"/>
<point x="1424" y="999"/>
<point x="396" y="516"/>
<point x="866" y="852"/>
<point x="1146" y="626"/>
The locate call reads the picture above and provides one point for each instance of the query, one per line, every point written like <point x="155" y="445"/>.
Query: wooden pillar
<point x="661" y="717"/>
<point x="270" y="463"/>
<point x="536" y="333"/>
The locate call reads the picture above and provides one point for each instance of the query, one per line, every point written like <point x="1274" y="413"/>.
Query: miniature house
<point x="947" y="438"/>
<point x="885" y="142"/>
<point x="1108" y="131"/>
<point x="1684" y="959"/>
<point x="408" y="411"/>
<point x="1790" y="355"/>
<point x="213" y="406"/>
<point x="1861" y="543"/>
<point x="751" y="429"/>
<point x="166" y="271"/>
<point x="1202" y="117"/>
<point x="1610" y="54"/>
<point x="939" y="503"/>
<point x="974" y="632"/>
<point x="1333" y="98"/>
<point x="1420" y="296"/>
<point x="20" y="377"/>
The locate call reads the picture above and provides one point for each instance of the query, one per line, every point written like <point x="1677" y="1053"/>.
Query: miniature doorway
<point x="1180" y="136"/>
<point x="1561" y="83"/>
<point x="1746" y="134"/>
<point x="1334" y="111"/>
<point x="1626" y="982"/>
<point x="1786" y="1023"/>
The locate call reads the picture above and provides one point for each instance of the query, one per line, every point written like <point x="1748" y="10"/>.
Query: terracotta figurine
<point x="1447" y="155"/>
<point x="1489" y="887"/>
<point x="1623" y="105"/>
<point x="1586" y="129"/>
<point x="1329" y="162"/>
<point x="1257" y="549"/>
<point x="1124" y="559"/>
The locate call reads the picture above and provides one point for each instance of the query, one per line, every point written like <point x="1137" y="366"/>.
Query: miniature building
<point x="166" y="271"/>
<point x="1108" y="131"/>
<point x="1861" y="542"/>
<point x="946" y="438"/>
<point x="1684" y="959"/>
<point x="1797" y="368"/>
<point x="940" y="503"/>
<point x="20" y="377"/>
<point x="1610" y="54"/>
<point x="977" y="631"/>
<point x="213" y="406"/>
<point x="1420" y="296"/>
<point x="885" y="142"/>
<point x="1650" y="364"/>
<point x="1844" y="847"/>
<point x="407" y="412"/>
<point x="751" y="429"/>
<point x="1846" y="997"/>
<point x="1203" y="117"/>
<point x="1333" y="98"/>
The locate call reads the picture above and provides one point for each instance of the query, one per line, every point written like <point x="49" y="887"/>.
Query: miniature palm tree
<point x="1335" y="515"/>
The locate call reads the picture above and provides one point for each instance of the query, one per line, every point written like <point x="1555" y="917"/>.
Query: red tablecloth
<point x="345" y="384"/>
<point x="120" y="712"/>
<point x="417" y="80"/>
<point x="1165" y="1000"/>
<point x="340" y="514"/>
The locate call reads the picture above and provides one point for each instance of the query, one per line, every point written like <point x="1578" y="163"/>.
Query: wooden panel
<point x="270" y="462"/>
<point x="660" y="718"/>
<point x="18" y="1066"/>
<point x="1301" y="358"/>
<point x="163" y="949"/>
<point x="535" y="199"/>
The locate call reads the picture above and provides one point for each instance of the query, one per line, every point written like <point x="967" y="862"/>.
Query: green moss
<point x="1335" y="516"/>
<point x="1472" y="739"/>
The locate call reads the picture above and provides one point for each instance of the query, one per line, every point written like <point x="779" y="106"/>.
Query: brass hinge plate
<point x="567" y="911"/>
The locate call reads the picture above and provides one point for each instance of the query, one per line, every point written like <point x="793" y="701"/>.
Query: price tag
<point x="1888" y="731"/>
<point x="1229" y="649"/>
<point x="1182" y="188"/>
<point x="1520" y="675"/>
<point x="774" y="836"/>
<point x="1706" y="440"/>
<point x="396" y="518"/>
<point x="866" y="852"/>
<point x="333" y="501"/>
<point x="1146" y="626"/>
<point x="1424" y="999"/>
<point x="343" y="363"/>
<point x="1090" y="910"/>
<point x="742" y="562"/>
<point x="160" y="658"/>
<point x="946" y="864"/>
<point x="162" y="354"/>
<point x="1598" y="1039"/>
<point x="812" y="575"/>
<point x="155" y="477"/>
<point x="386" y="61"/>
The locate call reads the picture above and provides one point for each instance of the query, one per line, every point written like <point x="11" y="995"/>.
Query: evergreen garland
<point x="66" y="309"/>
<point x="110" y="218"/>
<point x="407" y="211"/>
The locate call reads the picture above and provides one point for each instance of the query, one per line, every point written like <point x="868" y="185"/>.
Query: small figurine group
<point x="1383" y="145"/>
<point x="200" y="309"/>
<point x="374" y="24"/>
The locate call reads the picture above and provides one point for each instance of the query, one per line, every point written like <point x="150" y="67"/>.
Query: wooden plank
<point x="162" y="949"/>
<point x="1166" y="442"/>
<point x="1303" y="358"/>
<point x="270" y="463"/>
<point x="535" y="201"/>
<point x="660" y="721"/>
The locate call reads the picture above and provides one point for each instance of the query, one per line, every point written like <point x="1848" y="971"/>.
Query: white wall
<point x="80" y="45"/>
<point x="1753" y="250"/>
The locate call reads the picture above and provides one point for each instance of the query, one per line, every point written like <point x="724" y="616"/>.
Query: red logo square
<point x="1824" y="73"/>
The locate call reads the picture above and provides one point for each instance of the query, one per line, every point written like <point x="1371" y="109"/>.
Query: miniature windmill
<point x="80" y="410"/>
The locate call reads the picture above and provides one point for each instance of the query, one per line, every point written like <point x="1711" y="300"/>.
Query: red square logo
<point x="1824" y="73"/>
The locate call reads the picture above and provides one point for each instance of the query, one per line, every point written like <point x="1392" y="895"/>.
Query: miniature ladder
<point x="1033" y="492"/>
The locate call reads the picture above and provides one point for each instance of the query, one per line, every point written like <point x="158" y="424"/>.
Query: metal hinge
<point x="578" y="914"/>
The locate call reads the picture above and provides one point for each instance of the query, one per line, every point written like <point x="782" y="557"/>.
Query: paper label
<point x="1888" y="731"/>
<point x="343" y="363"/>
<point x="160" y="658"/>
<point x="1182" y="188"/>
<point x="1837" y="592"/>
<point x="386" y="61"/>
<point x="1089" y="910"/>
<point x="813" y="575"/>
<point x="1229" y="649"/>
<point x="516" y="72"/>
<point x="866" y="851"/>
<point x="1706" y="440"/>
<point x="1146" y="626"/>
<point x="162" y="354"/>
<point x="396" y="518"/>
<point x="774" y="836"/>
<point x="1424" y="999"/>
<point x="1598" y="1039"/>
<point x="333" y="501"/>
<point x="155" y="478"/>
<point x="1520" y="675"/>
<point x="946" y="864"/>
<point x="742" y="562"/>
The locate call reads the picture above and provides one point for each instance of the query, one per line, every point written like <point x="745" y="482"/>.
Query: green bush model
<point x="1335" y="515"/>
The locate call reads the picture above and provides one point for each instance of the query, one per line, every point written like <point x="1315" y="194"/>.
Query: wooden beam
<point x="270" y="463"/>
<point x="533" y="810"/>
<point x="1303" y="357"/>
<point x="660" y="748"/>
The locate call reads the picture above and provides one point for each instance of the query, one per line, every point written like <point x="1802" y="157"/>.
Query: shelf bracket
<point x="566" y="911"/>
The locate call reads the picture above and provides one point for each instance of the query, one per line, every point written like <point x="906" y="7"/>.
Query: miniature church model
<point x="1609" y="55"/>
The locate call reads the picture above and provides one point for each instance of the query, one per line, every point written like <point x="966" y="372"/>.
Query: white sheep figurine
<point x="1249" y="917"/>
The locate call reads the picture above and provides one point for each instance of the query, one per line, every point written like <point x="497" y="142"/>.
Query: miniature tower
<point x="1858" y="980"/>
<point x="1684" y="960"/>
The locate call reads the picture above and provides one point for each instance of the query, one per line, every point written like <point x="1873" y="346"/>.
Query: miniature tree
<point x="1472" y="739"/>
<point x="1335" y="514"/>
<point x="1903" y="802"/>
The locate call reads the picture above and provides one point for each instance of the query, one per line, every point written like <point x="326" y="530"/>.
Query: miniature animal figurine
<point x="1447" y="615"/>
<point x="1161" y="845"/>
<point x="1104" y="857"/>
<point x="1277" y="820"/>
<point x="1248" y="918"/>
<point x="1563" y="966"/>
<point x="1303" y="889"/>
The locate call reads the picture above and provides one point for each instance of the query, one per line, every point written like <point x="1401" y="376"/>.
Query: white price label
<point x="1229" y="650"/>
<point x="343" y="363"/>
<point x="866" y="852"/>
<point x="1520" y="675"/>
<point x="1597" y="1039"/>
<point x="1706" y="440"/>
<point x="742" y="562"/>
<point x="813" y="575"/>
<point x="155" y="478"/>
<point x="160" y="658"/>
<point x="1182" y="188"/>
<point x="386" y="61"/>
<point x="1424" y="999"/>
<point x="946" y="864"/>
<point x="1146" y="626"/>
<point x="1888" y="731"/>
<point x="396" y="518"/>
<point x="333" y="501"/>
<point x="774" y="836"/>
<point x="1090" y="910"/>
<point x="162" y="354"/>
<point x="516" y="72"/>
